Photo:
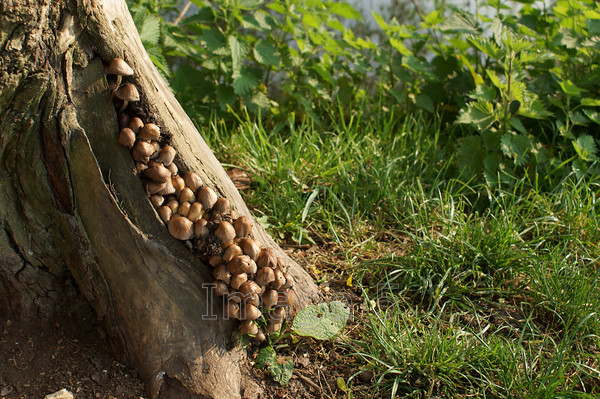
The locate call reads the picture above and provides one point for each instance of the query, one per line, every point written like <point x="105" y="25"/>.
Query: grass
<point x="480" y="292"/>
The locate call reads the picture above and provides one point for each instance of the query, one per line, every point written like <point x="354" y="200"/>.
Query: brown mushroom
<point x="243" y="226"/>
<point x="208" y="198"/>
<point x="187" y="194"/>
<point x="127" y="137"/>
<point x="237" y="280"/>
<point x="149" y="132"/>
<point x="127" y="93"/>
<point x="265" y="276"/>
<point x="239" y="264"/>
<point x="193" y="181"/>
<point x="166" y="156"/>
<point x="120" y="68"/>
<point x="269" y="299"/>
<point x="181" y="227"/>
<point x="158" y="173"/>
<point x="221" y="273"/>
<point x="136" y="125"/>
<point x="249" y="327"/>
<point x="266" y="258"/>
<point x="195" y="212"/>
<point x="221" y="206"/>
<point x="224" y="232"/>
<point x="249" y="247"/>
<point x="249" y="312"/>
<point x="231" y="251"/>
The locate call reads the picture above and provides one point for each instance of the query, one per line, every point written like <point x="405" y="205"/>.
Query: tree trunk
<point x="75" y="221"/>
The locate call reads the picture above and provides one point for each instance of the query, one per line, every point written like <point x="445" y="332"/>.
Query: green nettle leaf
<point x="344" y="10"/>
<point x="261" y="100"/>
<point x="516" y="147"/>
<point x="593" y="115"/>
<point x="534" y="109"/>
<point x="460" y="22"/>
<point x="424" y="102"/>
<point x="397" y="44"/>
<point x="266" y="53"/>
<point x="570" y="88"/>
<point x="590" y="102"/>
<point x="213" y="38"/>
<point x="244" y="82"/>
<point x="321" y="321"/>
<point x="471" y="154"/>
<point x="238" y="53"/>
<point x="483" y="92"/>
<point x="479" y="114"/>
<point x="486" y="46"/>
<point x="150" y="30"/>
<point x="586" y="147"/>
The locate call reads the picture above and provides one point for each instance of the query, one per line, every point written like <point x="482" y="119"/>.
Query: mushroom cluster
<point x="252" y="280"/>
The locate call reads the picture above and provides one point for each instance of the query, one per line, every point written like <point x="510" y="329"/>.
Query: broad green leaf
<point x="266" y="53"/>
<point x="570" y="88"/>
<point x="495" y="79"/>
<point x="586" y="147"/>
<point x="282" y="371"/>
<point x="483" y="92"/>
<point x="471" y="154"/>
<point x="590" y="102"/>
<point x="379" y="19"/>
<point x="534" y="109"/>
<point x="245" y="82"/>
<point x="150" y="30"/>
<point x="424" y="102"/>
<point x="203" y="15"/>
<point x="344" y="10"/>
<point x="261" y="100"/>
<point x="238" y="53"/>
<point x="593" y="115"/>
<point x="321" y="321"/>
<point x="518" y="125"/>
<point x="213" y="38"/>
<point x="486" y="46"/>
<point x="479" y="113"/>
<point x="265" y="357"/>
<point x="516" y="147"/>
<point x="310" y="20"/>
<point x="461" y="22"/>
<point x="397" y="44"/>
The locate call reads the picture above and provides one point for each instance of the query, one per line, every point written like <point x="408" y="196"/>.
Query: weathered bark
<point x="74" y="218"/>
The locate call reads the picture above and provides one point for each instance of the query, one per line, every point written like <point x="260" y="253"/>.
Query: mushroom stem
<point x="125" y="102"/>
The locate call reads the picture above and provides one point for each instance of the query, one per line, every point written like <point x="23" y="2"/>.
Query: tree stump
<point x="76" y="225"/>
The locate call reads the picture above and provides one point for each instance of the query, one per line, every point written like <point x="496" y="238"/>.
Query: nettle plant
<point x="272" y="57"/>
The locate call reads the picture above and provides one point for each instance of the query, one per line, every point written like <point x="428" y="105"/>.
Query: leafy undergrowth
<point x="462" y="290"/>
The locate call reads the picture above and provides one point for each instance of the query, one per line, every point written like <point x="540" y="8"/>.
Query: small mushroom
<point x="154" y="187"/>
<point x="221" y="206"/>
<point x="187" y="194"/>
<point x="260" y="335"/>
<point x="289" y="281"/>
<point x="239" y="264"/>
<point x="120" y="68"/>
<point x="252" y="298"/>
<point x="243" y="226"/>
<point x="221" y="288"/>
<point x="249" y="247"/>
<point x="157" y="200"/>
<point x="265" y="276"/>
<point x="165" y="213"/>
<point x="178" y="183"/>
<point x="127" y="137"/>
<point x="215" y="260"/>
<point x="252" y="268"/>
<point x="149" y="132"/>
<point x="232" y="310"/>
<point x="193" y="181"/>
<point x="278" y="314"/>
<point x="237" y="280"/>
<point x="158" y="173"/>
<point x="279" y="279"/>
<point x="166" y="156"/>
<point x="124" y="120"/>
<point x="142" y="151"/>
<point x="127" y="93"/>
<point x="231" y="251"/>
<point x="168" y="189"/>
<point x="136" y="125"/>
<point x="269" y="299"/>
<point x="172" y="167"/>
<point x="273" y="327"/>
<point x="249" y="312"/>
<point x="249" y="327"/>
<point x="221" y="273"/>
<point x="286" y="298"/>
<point x="195" y="212"/>
<point x="208" y="197"/>
<point x="224" y="232"/>
<point x="181" y="228"/>
<point x="184" y="209"/>
<point x="173" y="204"/>
<point x="266" y="258"/>
<point x="141" y="166"/>
<point x="249" y="287"/>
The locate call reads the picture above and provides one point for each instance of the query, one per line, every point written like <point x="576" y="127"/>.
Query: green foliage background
<point x="518" y="93"/>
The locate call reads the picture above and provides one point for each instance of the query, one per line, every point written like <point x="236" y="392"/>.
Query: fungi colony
<point x="252" y="280"/>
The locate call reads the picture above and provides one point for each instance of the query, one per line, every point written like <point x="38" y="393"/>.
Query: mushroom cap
<point x="265" y="276"/>
<point x="239" y="264"/>
<point x="193" y="181"/>
<point x="181" y="227"/>
<point x="128" y="92"/>
<point x="266" y="258"/>
<point x="119" y="67"/>
<point x="149" y="132"/>
<point x="136" y="124"/>
<point x="249" y="247"/>
<point x="243" y="226"/>
<point x="249" y="327"/>
<point x="249" y="312"/>
<point x="237" y="280"/>
<point x="221" y="205"/>
<point x="208" y="198"/>
<point x="231" y="251"/>
<point x="225" y="231"/>
<point x="270" y="298"/>
<point x="127" y="137"/>
<point x="158" y="173"/>
<point x="166" y="156"/>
